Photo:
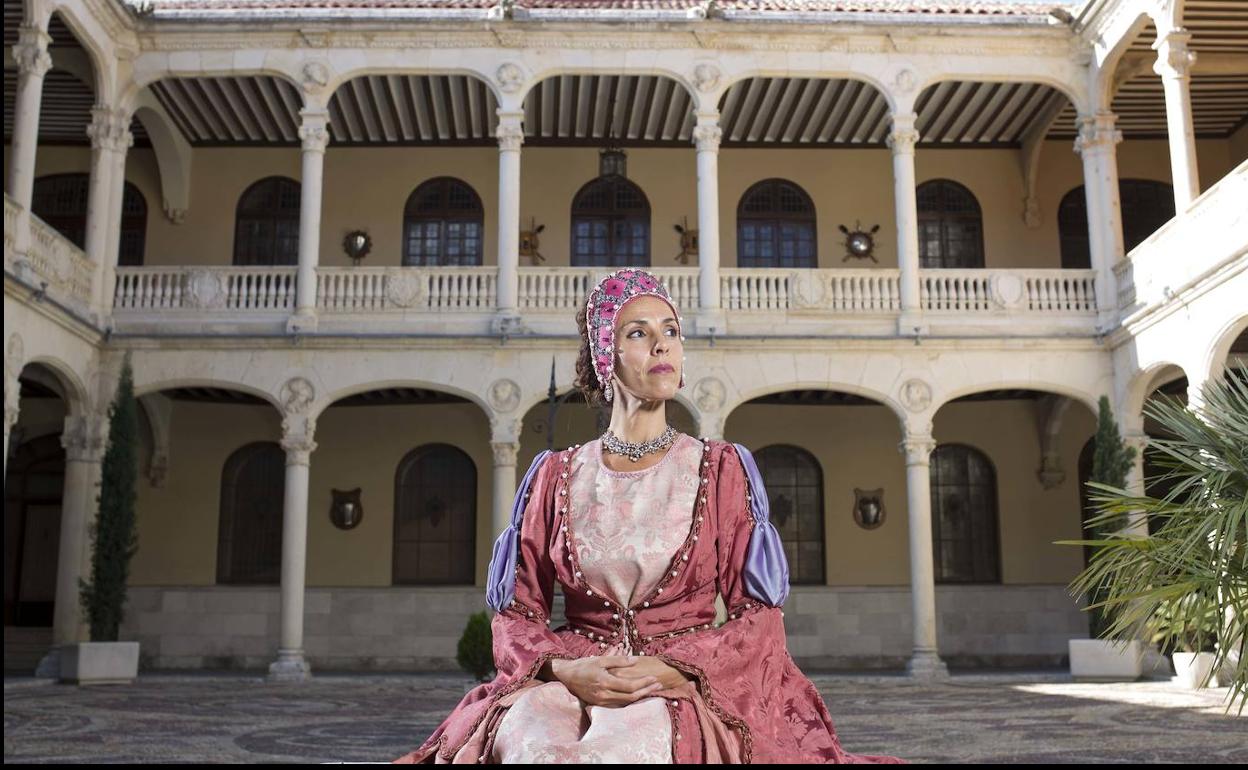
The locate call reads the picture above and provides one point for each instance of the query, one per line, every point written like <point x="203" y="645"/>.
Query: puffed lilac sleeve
<point x="766" y="572"/>
<point x="501" y="581"/>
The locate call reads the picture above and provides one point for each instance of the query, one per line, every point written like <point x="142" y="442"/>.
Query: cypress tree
<point x="113" y="536"/>
<point x="1111" y="462"/>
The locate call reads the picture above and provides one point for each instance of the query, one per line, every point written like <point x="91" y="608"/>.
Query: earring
<point x="606" y="393"/>
<point x="683" y="367"/>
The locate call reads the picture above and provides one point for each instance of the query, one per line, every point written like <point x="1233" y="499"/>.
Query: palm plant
<point x="1199" y="541"/>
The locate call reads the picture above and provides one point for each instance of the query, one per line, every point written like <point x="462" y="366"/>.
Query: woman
<point x="641" y="528"/>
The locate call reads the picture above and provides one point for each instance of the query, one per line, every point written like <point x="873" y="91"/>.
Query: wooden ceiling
<point x="655" y="111"/>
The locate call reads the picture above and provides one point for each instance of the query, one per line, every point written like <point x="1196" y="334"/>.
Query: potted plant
<point x="104" y="659"/>
<point x="475" y="653"/>
<point x="1187" y="627"/>
<point x="1199" y="544"/>
<point x="1098" y="658"/>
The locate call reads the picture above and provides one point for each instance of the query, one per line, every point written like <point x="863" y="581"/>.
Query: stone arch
<point x="71" y="386"/>
<point x="1214" y="358"/>
<point x="148" y="388"/>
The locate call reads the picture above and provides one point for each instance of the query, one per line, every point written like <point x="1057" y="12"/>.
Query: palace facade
<point x="343" y="244"/>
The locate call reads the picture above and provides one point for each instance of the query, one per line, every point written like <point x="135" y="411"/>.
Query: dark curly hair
<point x="586" y="378"/>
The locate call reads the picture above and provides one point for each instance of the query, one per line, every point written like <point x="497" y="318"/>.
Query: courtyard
<point x="1027" y="717"/>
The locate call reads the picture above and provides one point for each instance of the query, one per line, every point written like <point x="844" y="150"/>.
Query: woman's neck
<point x="635" y="424"/>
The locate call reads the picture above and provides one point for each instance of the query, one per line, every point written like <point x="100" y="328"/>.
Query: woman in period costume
<point x="641" y="528"/>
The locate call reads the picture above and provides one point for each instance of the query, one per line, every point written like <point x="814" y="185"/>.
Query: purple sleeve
<point x="501" y="579"/>
<point x="766" y="568"/>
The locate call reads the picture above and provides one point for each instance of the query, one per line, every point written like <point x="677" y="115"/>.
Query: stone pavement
<point x="232" y="717"/>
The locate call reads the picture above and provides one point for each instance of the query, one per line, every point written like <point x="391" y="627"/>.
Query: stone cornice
<point x="901" y="38"/>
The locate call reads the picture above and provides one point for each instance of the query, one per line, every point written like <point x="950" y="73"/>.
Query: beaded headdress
<point x="605" y="302"/>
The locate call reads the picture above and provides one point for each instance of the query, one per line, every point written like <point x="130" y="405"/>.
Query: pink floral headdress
<point x="605" y="302"/>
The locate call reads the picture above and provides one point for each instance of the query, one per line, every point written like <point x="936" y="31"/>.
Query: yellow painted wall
<point x="367" y="188"/>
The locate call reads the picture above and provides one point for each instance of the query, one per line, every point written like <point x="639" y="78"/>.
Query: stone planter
<point x="1191" y="668"/>
<point x="100" y="663"/>
<point x="1102" y="660"/>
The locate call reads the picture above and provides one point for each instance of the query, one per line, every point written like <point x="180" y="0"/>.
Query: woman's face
<point x="651" y="353"/>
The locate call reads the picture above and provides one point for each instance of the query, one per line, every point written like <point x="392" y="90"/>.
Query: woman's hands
<point x="615" y="680"/>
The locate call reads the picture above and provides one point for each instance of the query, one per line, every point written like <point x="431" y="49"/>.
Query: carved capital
<point x="1051" y="473"/>
<point x="1174" y="58"/>
<point x="1139" y="441"/>
<point x="83" y="438"/>
<point x="903" y="136"/>
<point x="313" y="129"/>
<point x="917" y="449"/>
<point x="1031" y="212"/>
<point x="707" y="136"/>
<point x="1097" y="133"/>
<point x="31" y="51"/>
<point x="109" y="130"/>
<point x="505" y="452"/>
<point x="510" y="131"/>
<point x="297" y="433"/>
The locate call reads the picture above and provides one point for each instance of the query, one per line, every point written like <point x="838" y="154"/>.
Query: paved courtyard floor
<point x="228" y="717"/>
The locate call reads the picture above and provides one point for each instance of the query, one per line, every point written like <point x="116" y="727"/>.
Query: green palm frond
<point x="1187" y="582"/>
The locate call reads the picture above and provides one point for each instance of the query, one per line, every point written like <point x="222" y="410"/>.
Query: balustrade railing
<point x="235" y="287"/>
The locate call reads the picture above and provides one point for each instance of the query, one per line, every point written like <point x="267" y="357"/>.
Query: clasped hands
<point x="616" y="680"/>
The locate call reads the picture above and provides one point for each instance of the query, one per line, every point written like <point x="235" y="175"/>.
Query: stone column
<point x="110" y="141"/>
<point x="1137" y="522"/>
<point x="901" y="140"/>
<point x="706" y="135"/>
<point x="504" y="484"/>
<point x="12" y="410"/>
<point x="1174" y="64"/>
<point x="315" y="135"/>
<point x="1096" y="146"/>
<point x="33" y="61"/>
<point x="297" y="433"/>
<point x="925" y="662"/>
<point x="83" y="439"/>
<point x="510" y="134"/>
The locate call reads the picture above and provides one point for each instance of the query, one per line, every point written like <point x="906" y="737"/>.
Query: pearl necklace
<point x="635" y="451"/>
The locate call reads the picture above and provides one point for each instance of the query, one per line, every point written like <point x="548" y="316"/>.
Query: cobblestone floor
<point x="222" y="717"/>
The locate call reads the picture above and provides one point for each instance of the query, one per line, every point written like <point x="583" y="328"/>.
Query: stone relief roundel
<point x="510" y="77"/>
<point x="297" y="395"/>
<point x="504" y="395"/>
<point x="916" y="395"/>
<point x="709" y="394"/>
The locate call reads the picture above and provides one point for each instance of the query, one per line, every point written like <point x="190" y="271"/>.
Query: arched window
<point x="1146" y="205"/>
<point x="249" y="538"/>
<point x="794" y="484"/>
<point x="435" y="517"/>
<point x="610" y="224"/>
<point x="964" y="516"/>
<point x="775" y="226"/>
<point x="443" y="223"/>
<point x="951" y="226"/>
<point x="60" y="200"/>
<point x="266" y="223"/>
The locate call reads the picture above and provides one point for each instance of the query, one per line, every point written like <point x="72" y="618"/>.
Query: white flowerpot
<point x="100" y="663"/>
<point x="1103" y="660"/>
<point x="1191" y="668"/>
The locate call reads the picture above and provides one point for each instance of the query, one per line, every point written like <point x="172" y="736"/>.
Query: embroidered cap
<point x="605" y="302"/>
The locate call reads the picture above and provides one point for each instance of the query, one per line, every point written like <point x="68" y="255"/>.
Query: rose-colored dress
<point x="627" y="525"/>
<point x="748" y="701"/>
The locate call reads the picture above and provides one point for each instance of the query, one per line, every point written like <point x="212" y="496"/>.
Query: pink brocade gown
<point x="628" y="525"/>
